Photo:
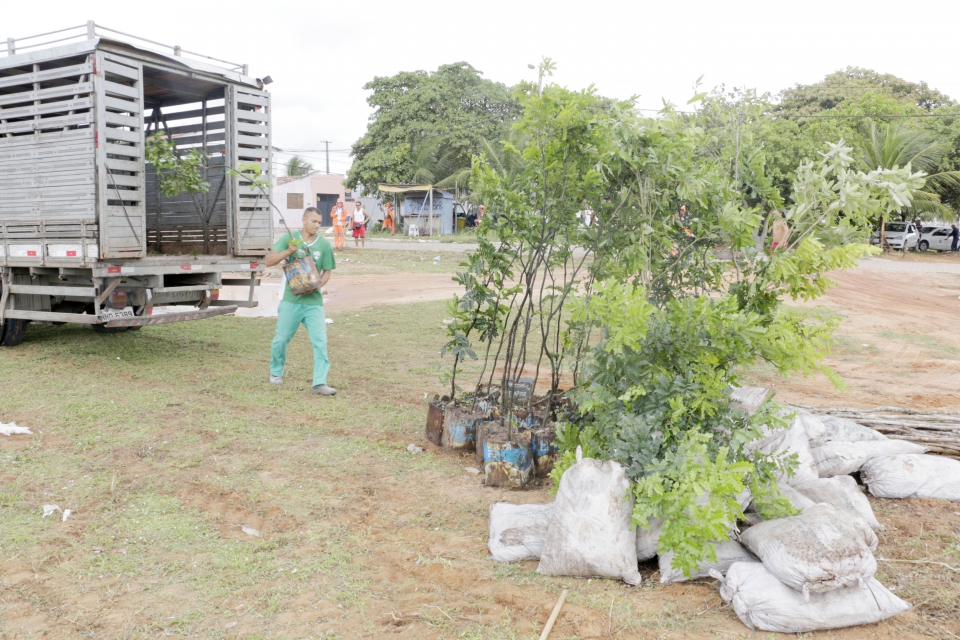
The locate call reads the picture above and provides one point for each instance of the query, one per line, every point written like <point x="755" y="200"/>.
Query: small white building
<point x="321" y="190"/>
<point x="294" y="194"/>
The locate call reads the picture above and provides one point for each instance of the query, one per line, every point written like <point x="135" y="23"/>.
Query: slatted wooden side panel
<point x="120" y="160"/>
<point x="47" y="142"/>
<point x="249" y="140"/>
<point x="202" y="127"/>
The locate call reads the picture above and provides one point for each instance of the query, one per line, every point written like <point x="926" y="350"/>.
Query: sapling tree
<point x="517" y="286"/>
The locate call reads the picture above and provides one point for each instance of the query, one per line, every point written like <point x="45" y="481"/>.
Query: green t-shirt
<point x="322" y="254"/>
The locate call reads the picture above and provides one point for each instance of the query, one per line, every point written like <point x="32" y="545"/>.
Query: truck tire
<point x="12" y="332"/>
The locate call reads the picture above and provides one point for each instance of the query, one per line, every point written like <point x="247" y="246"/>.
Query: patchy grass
<point x="372" y="260"/>
<point x="167" y="441"/>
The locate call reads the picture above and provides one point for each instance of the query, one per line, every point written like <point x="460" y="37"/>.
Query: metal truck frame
<point x="85" y="234"/>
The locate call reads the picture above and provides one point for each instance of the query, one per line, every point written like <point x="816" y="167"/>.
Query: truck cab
<point x="86" y="236"/>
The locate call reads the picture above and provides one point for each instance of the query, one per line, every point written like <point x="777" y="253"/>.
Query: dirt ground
<point x="358" y="537"/>
<point x="898" y="343"/>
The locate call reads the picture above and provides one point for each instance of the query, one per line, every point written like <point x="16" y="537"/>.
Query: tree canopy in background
<point x="842" y="89"/>
<point x="428" y="126"/>
<point x="790" y="128"/>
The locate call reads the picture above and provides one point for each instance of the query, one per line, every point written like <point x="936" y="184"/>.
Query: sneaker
<point x="276" y="379"/>
<point x="324" y="390"/>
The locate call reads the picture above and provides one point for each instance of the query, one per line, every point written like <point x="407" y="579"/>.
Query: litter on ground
<point x="12" y="429"/>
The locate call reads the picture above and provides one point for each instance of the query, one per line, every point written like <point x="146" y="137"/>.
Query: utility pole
<point x="327" y="142"/>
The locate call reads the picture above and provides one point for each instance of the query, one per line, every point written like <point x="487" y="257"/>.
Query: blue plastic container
<point x="544" y="449"/>
<point x="459" y="430"/>
<point x="507" y="463"/>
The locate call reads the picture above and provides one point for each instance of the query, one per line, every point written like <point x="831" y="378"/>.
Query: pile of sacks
<point x="808" y="572"/>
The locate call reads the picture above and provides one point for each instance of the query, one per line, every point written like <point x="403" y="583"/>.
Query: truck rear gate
<point x="84" y="228"/>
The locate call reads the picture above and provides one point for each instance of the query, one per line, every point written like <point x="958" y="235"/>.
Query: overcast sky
<point x="320" y="54"/>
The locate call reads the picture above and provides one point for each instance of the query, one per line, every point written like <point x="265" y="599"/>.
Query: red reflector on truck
<point x="254" y="265"/>
<point x="31" y="254"/>
<point x="71" y="254"/>
<point x="113" y="269"/>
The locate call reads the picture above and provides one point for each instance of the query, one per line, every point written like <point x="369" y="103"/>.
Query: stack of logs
<point x="938" y="430"/>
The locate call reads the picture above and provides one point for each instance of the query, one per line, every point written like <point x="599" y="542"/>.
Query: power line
<point x="875" y="115"/>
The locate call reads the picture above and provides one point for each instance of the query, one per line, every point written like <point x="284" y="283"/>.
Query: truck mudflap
<point x="163" y="318"/>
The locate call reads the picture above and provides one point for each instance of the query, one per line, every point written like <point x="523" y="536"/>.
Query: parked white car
<point x="935" y="238"/>
<point x="899" y="235"/>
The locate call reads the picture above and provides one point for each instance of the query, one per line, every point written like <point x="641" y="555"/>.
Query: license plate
<point x="116" y="314"/>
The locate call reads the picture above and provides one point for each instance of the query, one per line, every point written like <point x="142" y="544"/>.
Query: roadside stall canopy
<point x="428" y="193"/>
<point x="403" y="188"/>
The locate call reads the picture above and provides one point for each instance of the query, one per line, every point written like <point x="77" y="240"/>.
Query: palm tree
<point x="297" y="166"/>
<point x="891" y="145"/>
<point x="509" y="164"/>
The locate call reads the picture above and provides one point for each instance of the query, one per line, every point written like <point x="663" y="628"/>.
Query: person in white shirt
<point x="358" y="222"/>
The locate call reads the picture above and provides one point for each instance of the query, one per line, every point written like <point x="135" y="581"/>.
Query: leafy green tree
<point x="677" y="327"/>
<point x="298" y="166"/>
<point x="417" y="113"/>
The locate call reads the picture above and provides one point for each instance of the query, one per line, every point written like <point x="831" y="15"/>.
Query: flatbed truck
<point x="86" y="235"/>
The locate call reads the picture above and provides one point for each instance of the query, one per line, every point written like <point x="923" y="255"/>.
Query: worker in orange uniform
<point x="339" y="217"/>
<point x="388" y="220"/>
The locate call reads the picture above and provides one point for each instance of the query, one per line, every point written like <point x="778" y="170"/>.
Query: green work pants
<point x="289" y="317"/>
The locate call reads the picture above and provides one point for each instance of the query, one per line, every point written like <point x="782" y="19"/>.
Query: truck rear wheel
<point x="12" y="332"/>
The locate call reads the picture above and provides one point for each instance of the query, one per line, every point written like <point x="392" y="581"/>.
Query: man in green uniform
<point x="306" y="309"/>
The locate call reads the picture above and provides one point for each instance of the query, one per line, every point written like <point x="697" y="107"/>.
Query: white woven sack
<point x="844" y="430"/>
<point x="517" y="531"/>
<point x="797" y="499"/>
<point x="728" y="553"/>
<point x="913" y="476"/>
<point x="843" y="493"/>
<point x="648" y="539"/>
<point x="763" y="602"/>
<point x="789" y="441"/>
<point x="844" y="458"/>
<point x="819" y="550"/>
<point x="590" y="533"/>
<point x="814" y="428"/>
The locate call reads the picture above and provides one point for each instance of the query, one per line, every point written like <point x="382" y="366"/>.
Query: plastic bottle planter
<point x="460" y="430"/>
<point x="483" y="430"/>
<point x="519" y="391"/>
<point x="526" y="421"/>
<point x="507" y="463"/>
<point x="544" y="449"/>
<point x="435" y="422"/>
